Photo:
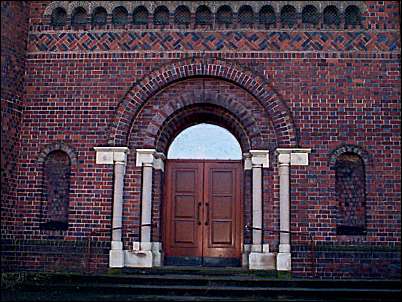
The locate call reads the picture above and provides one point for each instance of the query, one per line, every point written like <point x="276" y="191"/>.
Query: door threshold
<point x="212" y="262"/>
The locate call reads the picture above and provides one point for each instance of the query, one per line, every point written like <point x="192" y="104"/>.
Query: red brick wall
<point x="317" y="88"/>
<point x="14" y="28"/>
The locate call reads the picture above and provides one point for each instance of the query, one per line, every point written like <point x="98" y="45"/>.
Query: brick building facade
<point x="94" y="92"/>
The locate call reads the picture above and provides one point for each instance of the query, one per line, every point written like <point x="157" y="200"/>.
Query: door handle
<point x="207" y="207"/>
<point x="198" y="213"/>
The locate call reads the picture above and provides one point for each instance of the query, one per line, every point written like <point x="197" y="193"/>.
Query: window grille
<point x="224" y="15"/>
<point x="331" y="15"/>
<point x="79" y="16"/>
<point x="352" y="15"/>
<point x="59" y="17"/>
<point x="288" y="16"/>
<point x="267" y="15"/>
<point x="120" y="15"/>
<point x="246" y="15"/>
<point x="99" y="16"/>
<point x="203" y="15"/>
<point x="161" y="15"/>
<point x="310" y="15"/>
<point x="140" y="15"/>
<point x="182" y="15"/>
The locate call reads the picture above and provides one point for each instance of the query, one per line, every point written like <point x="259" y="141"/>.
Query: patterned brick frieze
<point x="262" y="41"/>
<point x="90" y="6"/>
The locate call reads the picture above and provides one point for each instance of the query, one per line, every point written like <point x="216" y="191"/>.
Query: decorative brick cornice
<point x="90" y="6"/>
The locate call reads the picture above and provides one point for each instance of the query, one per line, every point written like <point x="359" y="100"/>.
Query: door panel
<point x="221" y="234"/>
<point x="202" y="212"/>
<point x="184" y="193"/>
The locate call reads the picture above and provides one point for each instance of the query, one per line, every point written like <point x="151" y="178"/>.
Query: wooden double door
<point x="202" y="213"/>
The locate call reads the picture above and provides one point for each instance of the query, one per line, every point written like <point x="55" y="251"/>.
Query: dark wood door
<point x="202" y="213"/>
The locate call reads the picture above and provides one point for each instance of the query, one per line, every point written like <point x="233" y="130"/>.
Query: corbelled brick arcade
<point x="93" y="94"/>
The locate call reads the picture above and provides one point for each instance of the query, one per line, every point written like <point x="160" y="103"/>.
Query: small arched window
<point x="310" y="15"/>
<point x="331" y="15"/>
<point x="56" y="189"/>
<point x="140" y="15"/>
<point x="203" y="15"/>
<point x="59" y="17"/>
<point x="182" y="15"/>
<point x="79" y="16"/>
<point x="161" y="15"/>
<point x="288" y="16"/>
<point x="120" y="15"/>
<point x="352" y="15"/>
<point x="99" y="16"/>
<point x="246" y="15"/>
<point x="224" y="15"/>
<point x="267" y="15"/>
<point x="350" y="187"/>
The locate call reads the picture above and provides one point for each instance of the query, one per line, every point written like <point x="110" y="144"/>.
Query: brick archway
<point x="258" y="87"/>
<point x="183" y="110"/>
<point x="195" y="114"/>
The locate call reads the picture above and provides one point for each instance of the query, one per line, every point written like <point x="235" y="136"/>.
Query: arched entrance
<point x="154" y="111"/>
<point x="203" y="199"/>
<point x="191" y="102"/>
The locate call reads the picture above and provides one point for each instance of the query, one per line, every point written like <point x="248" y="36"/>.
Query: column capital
<point x="247" y="161"/>
<point x="293" y="156"/>
<point x="260" y="158"/>
<point x="159" y="161"/>
<point x="150" y="157"/>
<point x="110" y="155"/>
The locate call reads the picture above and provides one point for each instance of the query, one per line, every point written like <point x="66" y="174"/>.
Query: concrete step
<point x="215" y="291"/>
<point x="220" y="280"/>
<point x="73" y="296"/>
<point x="187" y="286"/>
<point x="196" y="271"/>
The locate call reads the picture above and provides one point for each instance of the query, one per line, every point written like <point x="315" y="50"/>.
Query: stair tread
<point x="252" y="278"/>
<point x="33" y="296"/>
<point x="209" y="287"/>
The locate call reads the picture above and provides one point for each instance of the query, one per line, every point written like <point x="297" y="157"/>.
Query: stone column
<point x="145" y="252"/>
<point x="119" y="171"/>
<point x="146" y="206"/>
<point x="257" y="206"/>
<point x="287" y="157"/>
<point x="259" y="258"/>
<point x="118" y="157"/>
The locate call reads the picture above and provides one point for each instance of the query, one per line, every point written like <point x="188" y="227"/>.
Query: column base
<point x="284" y="248"/>
<point x="157" y="254"/>
<point x="284" y="262"/>
<point x="261" y="261"/>
<point x="116" y="258"/>
<point x="245" y="254"/>
<point x="144" y="254"/>
<point x="138" y="258"/>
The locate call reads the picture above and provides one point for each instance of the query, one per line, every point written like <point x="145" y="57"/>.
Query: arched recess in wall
<point x="56" y="162"/>
<point x="349" y="163"/>
<point x="257" y="86"/>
